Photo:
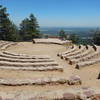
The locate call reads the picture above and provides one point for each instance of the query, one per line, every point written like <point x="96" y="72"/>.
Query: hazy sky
<point x="56" y="12"/>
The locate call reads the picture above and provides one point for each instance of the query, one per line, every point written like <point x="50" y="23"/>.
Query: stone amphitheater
<point x="42" y="71"/>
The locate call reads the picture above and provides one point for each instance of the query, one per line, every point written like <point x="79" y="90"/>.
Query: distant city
<point x="80" y="31"/>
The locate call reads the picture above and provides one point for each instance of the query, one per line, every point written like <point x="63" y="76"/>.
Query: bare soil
<point x="88" y="74"/>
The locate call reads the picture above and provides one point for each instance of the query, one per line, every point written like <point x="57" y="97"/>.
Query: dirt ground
<point x="88" y="74"/>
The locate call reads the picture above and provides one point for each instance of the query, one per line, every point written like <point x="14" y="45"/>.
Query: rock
<point x="88" y="93"/>
<point x="37" y="98"/>
<point x="87" y="47"/>
<point x="66" y="58"/>
<point x="99" y="76"/>
<point x="73" y="80"/>
<point x="96" y="97"/>
<point x="68" y="96"/>
<point x="79" y="46"/>
<point x="94" y="47"/>
<point x="77" y="66"/>
<point x="61" y="57"/>
<point x="72" y="47"/>
<point x="58" y="54"/>
<point x="85" y="88"/>
<point x="33" y="41"/>
<point x="1" y="98"/>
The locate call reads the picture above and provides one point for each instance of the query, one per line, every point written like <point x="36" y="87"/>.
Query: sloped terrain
<point x="29" y="71"/>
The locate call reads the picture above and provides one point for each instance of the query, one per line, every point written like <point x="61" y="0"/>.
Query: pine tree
<point x="29" y="28"/>
<point x="62" y="35"/>
<point x="7" y="28"/>
<point x="74" y="38"/>
<point x="96" y="37"/>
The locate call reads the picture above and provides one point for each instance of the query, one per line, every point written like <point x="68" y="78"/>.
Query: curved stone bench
<point x="76" y="58"/>
<point x="87" y="63"/>
<point x="7" y="44"/>
<point x="68" y="51"/>
<point x="83" y="48"/>
<point x="14" y="54"/>
<point x="18" y="64"/>
<point x="25" y="60"/>
<point x="85" y="58"/>
<point x="82" y="93"/>
<point x="86" y="52"/>
<point x="24" y="57"/>
<point x="48" y="68"/>
<point x="52" y="41"/>
<point x="2" y="44"/>
<point x="40" y="81"/>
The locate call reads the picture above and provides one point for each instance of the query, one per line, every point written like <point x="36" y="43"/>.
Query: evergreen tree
<point x="96" y="37"/>
<point x="74" y="38"/>
<point x="7" y="28"/>
<point x="29" y="28"/>
<point x="62" y="35"/>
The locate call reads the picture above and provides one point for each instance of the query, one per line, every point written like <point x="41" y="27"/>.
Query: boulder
<point x="74" y="80"/>
<point x="77" y="66"/>
<point x="99" y="76"/>
<point x="95" y="47"/>
<point x="61" y="57"/>
<point x="37" y="98"/>
<point x="87" y="47"/>
<point x="69" y="96"/>
<point x="95" y="97"/>
<point x="88" y="93"/>
<point x="1" y="98"/>
<point x="8" y="99"/>
<point x="33" y="41"/>
<point x="58" y="54"/>
<point x="80" y="46"/>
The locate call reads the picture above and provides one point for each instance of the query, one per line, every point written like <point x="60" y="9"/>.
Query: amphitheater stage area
<point x="53" y="41"/>
<point x="49" y="75"/>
